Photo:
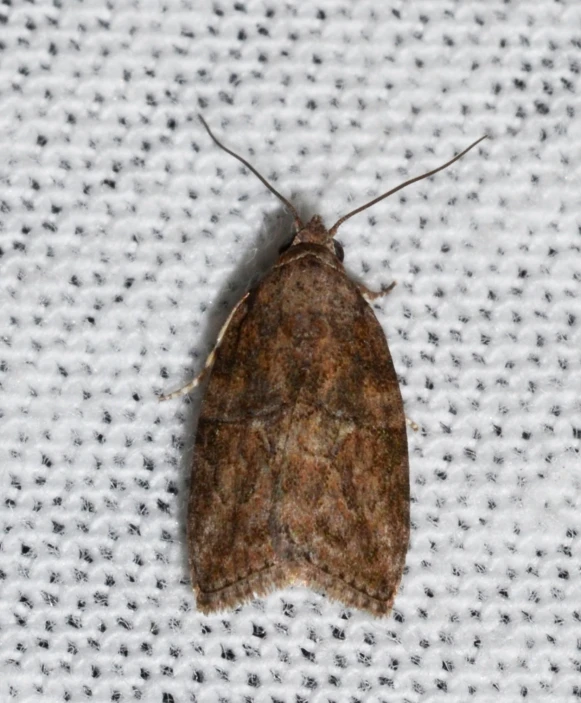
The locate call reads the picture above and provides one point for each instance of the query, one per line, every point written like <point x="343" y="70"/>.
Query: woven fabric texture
<point x="127" y="236"/>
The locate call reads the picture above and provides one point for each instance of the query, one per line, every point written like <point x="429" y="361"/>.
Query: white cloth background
<point x="126" y="236"/>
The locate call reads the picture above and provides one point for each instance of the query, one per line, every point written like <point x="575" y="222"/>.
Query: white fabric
<point x="126" y="236"/>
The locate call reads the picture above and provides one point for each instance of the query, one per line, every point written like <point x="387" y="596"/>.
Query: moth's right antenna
<point x="339" y="222"/>
<point x="298" y="222"/>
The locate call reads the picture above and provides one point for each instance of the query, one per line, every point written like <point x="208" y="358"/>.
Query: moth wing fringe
<point x="279" y="576"/>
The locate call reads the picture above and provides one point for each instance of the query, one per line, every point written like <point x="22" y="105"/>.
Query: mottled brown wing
<point x="301" y="467"/>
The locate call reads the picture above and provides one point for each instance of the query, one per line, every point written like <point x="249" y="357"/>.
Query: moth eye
<point x="286" y="246"/>
<point x="339" y="252"/>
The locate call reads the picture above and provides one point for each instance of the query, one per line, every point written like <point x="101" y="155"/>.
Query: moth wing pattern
<point x="300" y="466"/>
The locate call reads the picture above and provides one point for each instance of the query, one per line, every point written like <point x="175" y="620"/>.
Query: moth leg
<point x="195" y="382"/>
<point x="372" y="294"/>
<point x="414" y="425"/>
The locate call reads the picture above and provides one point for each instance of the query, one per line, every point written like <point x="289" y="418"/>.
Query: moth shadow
<point x="258" y="257"/>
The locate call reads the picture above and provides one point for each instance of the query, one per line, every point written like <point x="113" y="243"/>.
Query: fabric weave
<point x="126" y="237"/>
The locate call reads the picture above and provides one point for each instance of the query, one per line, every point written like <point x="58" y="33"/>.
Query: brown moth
<point x="300" y="470"/>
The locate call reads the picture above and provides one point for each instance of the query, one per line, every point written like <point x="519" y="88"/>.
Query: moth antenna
<point x="340" y="221"/>
<point x="288" y="205"/>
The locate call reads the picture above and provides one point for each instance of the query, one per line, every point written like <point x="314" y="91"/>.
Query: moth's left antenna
<point x="288" y="205"/>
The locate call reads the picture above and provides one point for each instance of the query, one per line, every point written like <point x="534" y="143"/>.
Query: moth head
<point x="315" y="232"/>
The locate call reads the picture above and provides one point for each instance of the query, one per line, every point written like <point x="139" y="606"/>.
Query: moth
<point x="300" y="469"/>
